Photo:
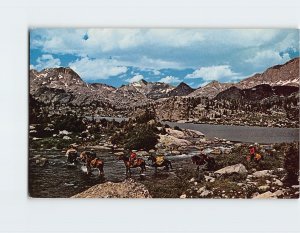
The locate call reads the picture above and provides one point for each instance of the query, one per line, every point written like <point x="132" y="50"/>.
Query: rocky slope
<point x="256" y="93"/>
<point x="181" y="90"/>
<point x="279" y="75"/>
<point x="210" y="90"/>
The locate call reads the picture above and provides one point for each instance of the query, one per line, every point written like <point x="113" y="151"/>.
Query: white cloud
<point x="93" y="69"/>
<point x="267" y="58"/>
<point x="135" y="78"/>
<point x="46" y="61"/>
<point x="213" y="73"/>
<point x="104" y="40"/>
<point x="146" y="62"/>
<point x="170" y="79"/>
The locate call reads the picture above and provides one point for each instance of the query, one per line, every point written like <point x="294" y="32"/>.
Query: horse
<point x="203" y="159"/>
<point x="92" y="161"/>
<point x="166" y="163"/>
<point x="136" y="163"/>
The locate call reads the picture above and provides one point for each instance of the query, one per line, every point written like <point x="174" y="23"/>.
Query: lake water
<point x="243" y="133"/>
<point x="236" y="133"/>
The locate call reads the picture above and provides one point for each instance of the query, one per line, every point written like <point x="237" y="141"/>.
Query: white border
<point x="20" y="214"/>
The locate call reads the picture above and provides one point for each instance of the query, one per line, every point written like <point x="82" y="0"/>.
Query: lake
<point x="243" y="133"/>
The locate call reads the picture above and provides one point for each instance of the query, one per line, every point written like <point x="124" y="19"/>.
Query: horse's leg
<point x="170" y="165"/>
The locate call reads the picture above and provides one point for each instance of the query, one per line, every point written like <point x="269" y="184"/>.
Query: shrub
<point x="141" y="137"/>
<point x="70" y="123"/>
<point x="291" y="164"/>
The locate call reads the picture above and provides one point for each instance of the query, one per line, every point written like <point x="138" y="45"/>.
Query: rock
<point x="119" y="153"/>
<point x="193" y="133"/>
<point x="192" y="180"/>
<point x="216" y="151"/>
<point x="205" y="193"/>
<point x="41" y="162"/>
<point x="209" y="179"/>
<point x="227" y="151"/>
<point x="237" y="168"/>
<point x="126" y="189"/>
<point x="263" y="173"/>
<point x="264" y="188"/>
<point x="277" y="182"/>
<point x="119" y="149"/>
<point x="175" y="133"/>
<point x="279" y="193"/>
<point x="36" y="139"/>
<point x="151" y="151"/>
<point x="66" y="138"/>
<point x="200" y="190"/>
<point x="265" y="195"/>
<point x="183" y="196"/>
<point x="176" y="152"/>
<point x="169" y="140"/>
<point x="238" y="144"/>
<point x="142" y="153"/>
<point x="295" y="186"/>
<point x="64" y="132"/>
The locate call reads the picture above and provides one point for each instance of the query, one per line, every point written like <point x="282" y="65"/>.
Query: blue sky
<point x="193" y="56"/>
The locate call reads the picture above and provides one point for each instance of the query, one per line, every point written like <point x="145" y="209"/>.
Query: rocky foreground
<point x="126" y="189"/>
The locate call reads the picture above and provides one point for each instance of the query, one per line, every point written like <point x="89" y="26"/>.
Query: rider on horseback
<point x="72" y="154"/>
<point x="132" y="158"/>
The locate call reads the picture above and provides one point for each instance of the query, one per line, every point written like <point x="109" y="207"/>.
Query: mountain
<point x="210" y="90"/>
<point x="256" y="93"/>
<point x="181" y="90"/>
<point x="64" y="86"/>
<point x="279" y="75"/>
<point x="152" y="90"/>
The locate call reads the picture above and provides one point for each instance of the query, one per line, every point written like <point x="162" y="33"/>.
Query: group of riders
<point x="203" y="161"/>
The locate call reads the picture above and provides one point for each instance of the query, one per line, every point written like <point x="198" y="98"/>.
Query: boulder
<point x="64" y="132"/>
<point x="263" y="173"/>
<point x="264" y="188"/>
<point x="265" y="195"/>
<point x="126" y="189"/>
<point x="277" y="182"/>
<point x="172" y="141"/>
<point x="209" y="179"/>
<point x="234" y="169"/>
<point x="175" y="133"/>
<point x="66" y="138"/>
<point x="279" y="193"/>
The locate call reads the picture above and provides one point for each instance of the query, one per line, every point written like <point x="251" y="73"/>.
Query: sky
<point x="194" y="56"/>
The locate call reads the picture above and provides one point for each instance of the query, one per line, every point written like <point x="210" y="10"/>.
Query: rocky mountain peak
<point x="279" y="75"/>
